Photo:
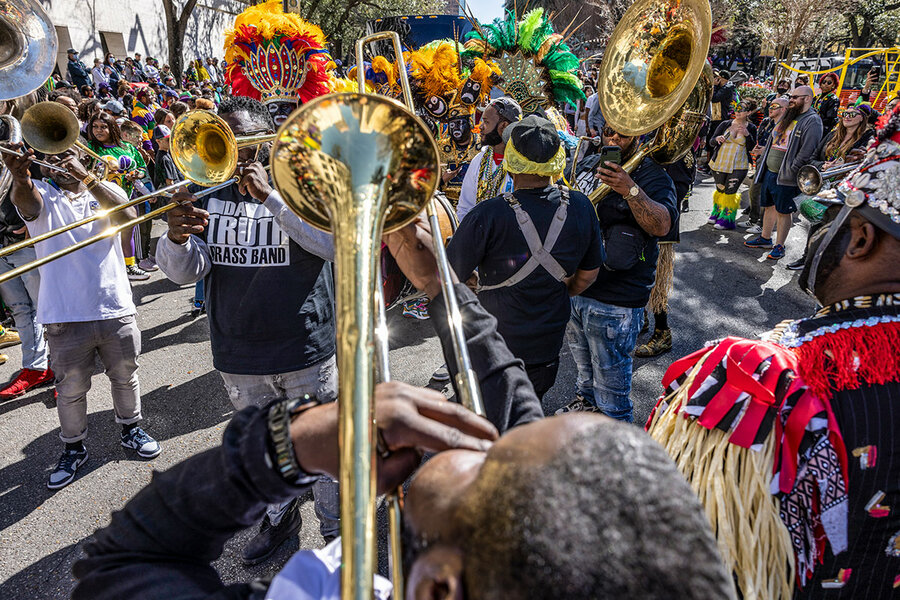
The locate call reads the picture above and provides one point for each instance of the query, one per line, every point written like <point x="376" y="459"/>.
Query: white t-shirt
<point x="89" y="284"/>
<point x="316" y="575"/>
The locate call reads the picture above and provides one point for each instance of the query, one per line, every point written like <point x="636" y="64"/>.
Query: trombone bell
<point x="204" y="148"/>
<point x="356" y="165"/>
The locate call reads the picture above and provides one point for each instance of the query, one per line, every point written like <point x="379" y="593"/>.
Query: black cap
<point x="535" y="138"/>
<point x="71" y="51"/>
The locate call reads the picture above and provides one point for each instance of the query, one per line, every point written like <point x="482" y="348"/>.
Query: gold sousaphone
<point x="654" y="74"/>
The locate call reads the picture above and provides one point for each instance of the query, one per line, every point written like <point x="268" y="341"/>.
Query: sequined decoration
<point x="522" y="81"/>
<point x="277" y="71"/>
<point x="893" y="547"/>
<point x="489" y="180"/>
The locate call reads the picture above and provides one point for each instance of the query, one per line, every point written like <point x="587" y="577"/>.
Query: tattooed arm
<point x="652" y="216"/>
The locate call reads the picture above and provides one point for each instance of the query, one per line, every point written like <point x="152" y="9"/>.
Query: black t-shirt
<point x="165" y="169"/>
<point x="270" y="302"/>
<point x="631" y="288"/>
<point x="532" y="314"/>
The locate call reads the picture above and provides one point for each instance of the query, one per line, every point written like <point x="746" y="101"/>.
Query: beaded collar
<point x="853" y="313"/>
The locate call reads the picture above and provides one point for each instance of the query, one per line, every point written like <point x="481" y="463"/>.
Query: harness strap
<point x="540" y="251"/>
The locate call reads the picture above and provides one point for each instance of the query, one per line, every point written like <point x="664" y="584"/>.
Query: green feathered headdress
<point x="536" y="63"/>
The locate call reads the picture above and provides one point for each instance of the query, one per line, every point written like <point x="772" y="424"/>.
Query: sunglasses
<point x="776" y="107"/>
<point x="792" y="97"/>
<point x="851" y="114"/>
<point x="609" y="132"/>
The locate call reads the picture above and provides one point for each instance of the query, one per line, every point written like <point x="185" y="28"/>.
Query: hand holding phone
<point x="611" y="154"/>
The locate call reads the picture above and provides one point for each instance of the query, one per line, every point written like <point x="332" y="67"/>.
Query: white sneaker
<point x="135" y="273"/>
<point x="754" y="229"/>
<point x="745" y="223"/>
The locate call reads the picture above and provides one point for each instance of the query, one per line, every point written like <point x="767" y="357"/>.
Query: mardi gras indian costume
<point x="792" y="442"/>
<point x="447" y="91"/>
<point x="537" y="68"/>
<point x="276" y="57"/>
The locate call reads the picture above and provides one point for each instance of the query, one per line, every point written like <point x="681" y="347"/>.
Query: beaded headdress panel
<point x="447" y="91"/>
<point x="537" y="65"/>
<point x="276" y="56"/>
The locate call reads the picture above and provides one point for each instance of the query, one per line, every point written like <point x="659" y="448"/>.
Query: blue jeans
<point x="601" y="338"/>
<point x="21" y="296"/>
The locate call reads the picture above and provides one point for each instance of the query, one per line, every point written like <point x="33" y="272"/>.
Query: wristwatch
<point x="633" y="192"/>
<point x="281" y="448"/>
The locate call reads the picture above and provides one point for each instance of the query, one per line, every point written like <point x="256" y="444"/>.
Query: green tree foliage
<point x="344" y="21"/>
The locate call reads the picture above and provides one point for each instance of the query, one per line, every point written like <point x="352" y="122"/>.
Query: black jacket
<point x="820" y="158"/>
<point x="827" y="106"/>
<point x="162" y="544"/>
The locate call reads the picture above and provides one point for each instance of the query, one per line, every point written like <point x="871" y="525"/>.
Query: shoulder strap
<point x="540" y="251"/>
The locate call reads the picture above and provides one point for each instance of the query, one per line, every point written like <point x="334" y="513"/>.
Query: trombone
<point x="360" y="165"/>
<point x="206" y="153"/>
<point x="51" y="128"/>
<point x="811" y="180"/>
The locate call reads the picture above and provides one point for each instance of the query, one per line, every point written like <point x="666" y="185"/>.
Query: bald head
<point x="801" y="99"/>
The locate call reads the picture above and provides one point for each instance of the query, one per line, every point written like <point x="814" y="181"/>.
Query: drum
<point x="397" y="288"/>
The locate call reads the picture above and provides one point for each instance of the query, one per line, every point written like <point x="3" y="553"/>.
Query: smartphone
<point x="611" y="154"/>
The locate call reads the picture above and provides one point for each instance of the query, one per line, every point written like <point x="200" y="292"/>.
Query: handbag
<point x="625" y="245"/>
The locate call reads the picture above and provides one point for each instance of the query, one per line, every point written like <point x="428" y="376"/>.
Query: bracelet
<point x="281" y="448"/>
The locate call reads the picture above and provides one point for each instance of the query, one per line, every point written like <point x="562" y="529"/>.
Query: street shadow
<point x="169" y="412"/>
<point x="50" y="578"/>
<point x="195" y="330"/>
<point x="412" y="332"/>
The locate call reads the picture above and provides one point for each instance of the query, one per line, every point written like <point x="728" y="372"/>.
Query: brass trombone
<point x="811" y="180"/>
<point x="196" y="137"/>
<point x="360" y="165"/>
<point x="51" y="128"/>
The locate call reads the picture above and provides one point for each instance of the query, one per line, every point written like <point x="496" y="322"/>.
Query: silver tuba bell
<point x="12" y="135"/>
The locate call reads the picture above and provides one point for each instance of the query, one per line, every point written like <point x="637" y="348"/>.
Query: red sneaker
<point x="26" y="379"/>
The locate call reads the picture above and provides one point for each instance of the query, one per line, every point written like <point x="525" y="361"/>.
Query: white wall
<point x="142" y="24"/>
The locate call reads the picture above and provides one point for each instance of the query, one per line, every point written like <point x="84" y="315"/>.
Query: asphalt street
<point x="721" y="288"/>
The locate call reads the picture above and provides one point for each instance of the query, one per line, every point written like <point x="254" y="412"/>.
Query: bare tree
<point x="176" y="26"/>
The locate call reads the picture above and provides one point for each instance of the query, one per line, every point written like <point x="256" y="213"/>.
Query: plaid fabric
<point x="731" y="156"/>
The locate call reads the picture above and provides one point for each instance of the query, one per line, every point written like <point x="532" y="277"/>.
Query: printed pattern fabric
<point x="731" y="157"/>
<point x="747" y="388"/>
<point x="243" y="234"/>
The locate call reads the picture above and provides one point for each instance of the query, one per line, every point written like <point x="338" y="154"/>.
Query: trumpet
<point x="51" y="128"/>
<point x="811" y="180"/>
<point x="204" y="149"/>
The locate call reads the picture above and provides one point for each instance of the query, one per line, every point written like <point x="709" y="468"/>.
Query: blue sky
<point x="486" y="10"/>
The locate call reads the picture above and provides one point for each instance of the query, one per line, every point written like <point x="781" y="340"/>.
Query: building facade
<point x="126" y="27"/>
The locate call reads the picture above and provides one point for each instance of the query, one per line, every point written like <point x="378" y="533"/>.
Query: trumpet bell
<point x="652" y="62"/>
<point x="809" y="180"/>
<point x="28" y="47"/>
<point x="203" y="147"/>
<point x="339" y="145"/>
<point x="50" y="127"/>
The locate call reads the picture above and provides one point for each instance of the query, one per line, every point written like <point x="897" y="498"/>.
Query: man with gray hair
<point x="486" y="176"/>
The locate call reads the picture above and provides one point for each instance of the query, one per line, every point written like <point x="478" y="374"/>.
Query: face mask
<point x="492" y="138"/>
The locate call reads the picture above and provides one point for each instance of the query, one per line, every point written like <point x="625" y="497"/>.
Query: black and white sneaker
<point x="442" y="373"/>
<point x="579" y="404"/>
<point x="68" y="463"/>
<point x="138" y="439"/>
